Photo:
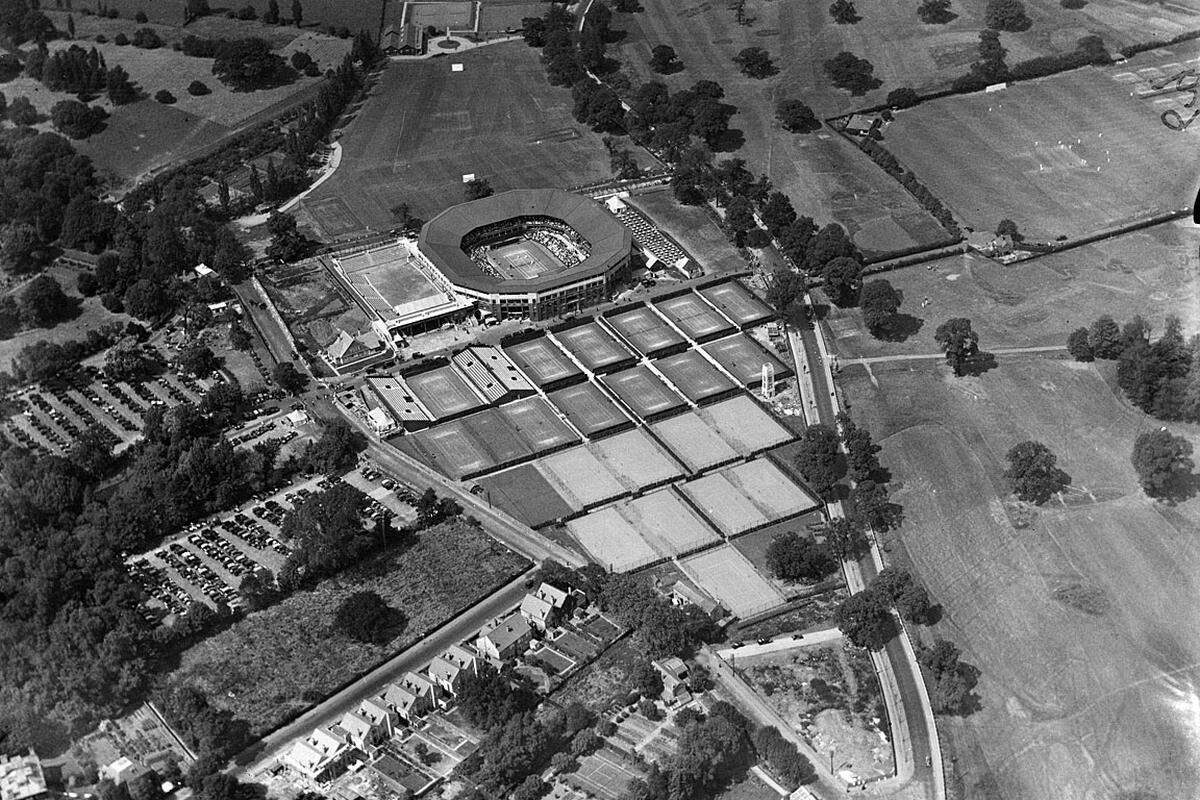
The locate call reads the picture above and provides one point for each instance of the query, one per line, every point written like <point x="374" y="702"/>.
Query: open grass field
<point x="1061" y="156"/>
<point x="1152" y="272"/>
<point x="424" y="127"/>
<point x="692" y="228"/>
<point x="1076" y="701"/>
<point x="279" y="660"/>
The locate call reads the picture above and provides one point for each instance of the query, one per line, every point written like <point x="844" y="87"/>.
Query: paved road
<point x="466" y="625"/>
<point x="786" y="642"/>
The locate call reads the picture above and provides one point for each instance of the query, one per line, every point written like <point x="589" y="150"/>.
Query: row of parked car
<point x="157" y="584"/>
<point x="220" y="550"/>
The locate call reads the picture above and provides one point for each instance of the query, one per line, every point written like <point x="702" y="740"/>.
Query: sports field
<point x="744" y="359"/>
<point x="589" y="409"/>
<point x="525" y="494"/>
<point x="667" y="522"/>
<point x="1107" y="679"/>
<point x="455" y="16"/>
<point x="595" y="347"/>
<point x="544" y="362"/>
<point x="737" y="303"/>
<point x="535" y="421"/>
<point x="770" y="489"/>
<point x="1152" y="272"/>
<point x="388" y="277"/>
<point x="636" y="460"/>
<point x="611" y="540"/>
<point x="424" y="127"/>
<point x="695" y="317"/>
<point x="444" y="392"/>
<point x="732" y="579"/>
<point x="646" y="331"/>
<point x="1103" y="157"/>
<point x="694" y="442"/>
<point x="644" y="392"/>
<point x="524" y="260"/>
<point x="724" y="504"/>
<point x="694" y="376"/>
<point x="581" y="477"/>
<point x="745" y="425"/>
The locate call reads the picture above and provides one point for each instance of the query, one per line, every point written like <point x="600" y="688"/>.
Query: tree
<point x="1105" y="338"/>
<point x="199" y="360"/>
<point x="336" y="450"/>
<point x="22" y="112"/>
<point x="958" y="342"/>
<point x="77" y="120"/>
<point x="1079" y="346"/>
<point x="1033" y="472"/>
<point x="846" y="539"/>
<point x="903" y="97"/>
<point x="1007" y="227"/>
<point x="239" y="338"/>
<point x="862" y="452"/>
<point x="646" y="680"/>
<point x="784" y="287"/>
<point x="903" y="591"/>
<point x="1164" y="465"/>
<point x="844" y="12"/>
<point x="71" y="26"/>
<point x="147" y="39"/>
<point x="793" y="557"/>
<point x="1006" y="15"/>
<point x="119" y="87"/>
<point x="935" y="12"/>
<point x="289" y="378"/>
<point x="271" y="16"/>
<point x="819" y="461"/>
<point x="366" y="617"/>
<point x="477" y="189"/>
<point x="198" y="89"/>
<point x="796" y="116"/>
<point x="865" y="619"/>
<point x="248" y="64"/>
<point x="952" y="679"/>
<point x="297" y="13"/>
<point x="664" y="60"/>
<point x="777" y="213"/>
<point x="165" y="97"/>
<point x="21" y="248"/>
<point x="829" y="243"/>
<point x="843" y="277"/>
<point x="739" y="216"/>
<point x="873" y="505"/>
<point x="880" y="302"/>
<point x="755" y="62"/>
<point x="848" y="71"/>
<point x="287" y="243"/>
<point x="42" y="303"/>
<point x="127" y="361"/>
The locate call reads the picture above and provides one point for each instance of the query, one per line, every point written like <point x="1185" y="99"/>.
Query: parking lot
<point x="208" y="560"/>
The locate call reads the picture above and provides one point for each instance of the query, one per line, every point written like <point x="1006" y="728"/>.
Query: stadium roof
<point x="441" y="238"/>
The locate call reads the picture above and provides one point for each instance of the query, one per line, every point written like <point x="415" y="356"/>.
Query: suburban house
<point x="319" y="756"/>
<point x="21" y="777"/>
<point x="359" y="731"/>
<point x="408" y="705"/>
<point x="862" y="124"/>
<point x="377" y="711"/>
<point x="123" y="770"/>
<point x="406" y="40"/>
<point x="682" y="593"/>
<point x="349" y="351"/>
<point x="674" y="677"/>
<point x="420" y="685"/>
<point x="544" y="607"/>
<point x="505" y="639"/>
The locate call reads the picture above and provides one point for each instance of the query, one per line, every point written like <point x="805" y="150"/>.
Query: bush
<point x="758" y="238"/>
<point x="848" y="71"/>
<point x="101" y="38"/>
<point x="140" y="16"/>
<point x="904" y="97"/>
<point x="164" y="97"/>
<point x="75" y="120"/>
<point x="147" y="39"/>
<point x="197" y="88"/>
<point x="1073" y="5"/>
<point x="121" y="39"/>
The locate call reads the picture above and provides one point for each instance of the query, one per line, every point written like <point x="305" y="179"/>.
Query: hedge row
<point x="909" y="181"/>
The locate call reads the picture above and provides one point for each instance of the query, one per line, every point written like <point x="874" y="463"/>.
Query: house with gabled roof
<point x="360" y="731"/>
<point x="378" y="712"/>
<point x="506" y="638"/>
<point x="408" y="705"/>
<point x="319" y="756"/>
<point x="420" y="685"/>
<point x="537" y="612"/>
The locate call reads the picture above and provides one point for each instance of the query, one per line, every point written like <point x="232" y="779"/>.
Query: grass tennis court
<point x="581" y="477"/>
<point x="449" y="448"/>
<point x="611" y="540"/>
<point x="333" y="217"/>
<point x="543" y="362"/>
<point x="636" y="460"/>
<point x="1104" y="157"/>
<point x="389" y="273"/>
<point x="589" y="409"/>
<point x="642" y="328"/>
<point x="694" y="376"/>
<point x="525" y="494"/>
<point x="595" y="347"/>
<point x="524" y="260"/>
<point x="738" y="303"/>
<point x="744" y="358"/>
<point x="694" y="442"/>
<point x="724" y="504"/>
<point x="536" y="423"/>
<point x="667" y="522"/>
<point x="731" y="578"/>
<point x="444" y="392"/>
<point x="746" y="425"/>
<point x="644" y="392"/>
<point x="694" y="316"/>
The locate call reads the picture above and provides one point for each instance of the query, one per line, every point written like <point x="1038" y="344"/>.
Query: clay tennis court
<point x="644" y="392"/>
<point x="770" y="488"/>
<point x="595" y="347"/>
<point x="581" y="477"/>
<point x="590" y="410"/>
<point x="691" y="440"/>
<point x="695" y="316"/>
<point x="636" y="460"/>
<point x="544" y="362"/>
<point x="695" y="376"/>
<point x="667" y="522"/>
<point x="612" y="541"/>
<point x="729" y="576"/>
<point x="724" y="504"/>
<point x="646" y="331"/>
<point x="746" y="425"/>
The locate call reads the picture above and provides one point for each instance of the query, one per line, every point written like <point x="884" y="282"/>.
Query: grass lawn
<point x="424" y="127"/>
<point x="750" y="787"/>
<point x="1152" y="272"/>
<point x="1101" y="158"/>
<point x="692" y="228"/>
<point x="276" y="661"/>
<point x="1063" y="689"/>
<point x="605" y="682"/>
